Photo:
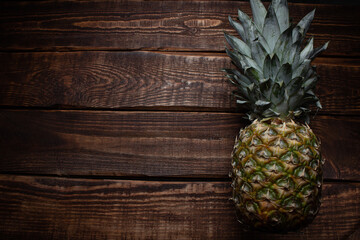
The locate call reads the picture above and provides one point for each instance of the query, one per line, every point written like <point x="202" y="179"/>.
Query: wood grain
<point x="163" y="113"/>
<point x="160" y="25"/>
<point x="158" y="144"/>
<point x="58" y="208"/>
<point x="144" y="80"/>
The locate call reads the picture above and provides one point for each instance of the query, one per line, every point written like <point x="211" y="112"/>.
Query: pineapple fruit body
<point x="277" y="175"/>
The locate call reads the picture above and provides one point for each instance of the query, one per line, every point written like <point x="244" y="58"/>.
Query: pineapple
<point x="276" y="161"/>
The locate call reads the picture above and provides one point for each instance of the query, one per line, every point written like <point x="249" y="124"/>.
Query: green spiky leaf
<point x="304" y="66"/>
<point x="250" y="63"/>
<point x="259" y="13"/>
<point x="295" y="85"/>
<point x="262" y="103"/>
<point x="238" y="45"/>
<point x="318" y="50"/>
<point x="246" y="23"/>
<point x="310" y="83"/>
<point x="283" y="45"/>
<point x="264" y="86"/>
<point x="271" y="30"/>
<point x="282" y="14"/>
<point x="307" y="51"/>
<point x="242" y="78"/>
<point x="241" y="101"/>
<point x="258" y="52"/>
<point x="277" y="93"/>
<point x="238" y="27"/>
<point x="235" y="59"/>
<point x="302" y="27"/>
<point x="284" y="74"/>
<point x="253" y="74"/>
<point x="271" y="67"/>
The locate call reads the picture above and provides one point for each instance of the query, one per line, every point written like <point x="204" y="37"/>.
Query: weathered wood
<point x="57" y="208"/>
<point x="176" y="144"/>
<point x="160" y="25"/>
<point x="150" y="80"/>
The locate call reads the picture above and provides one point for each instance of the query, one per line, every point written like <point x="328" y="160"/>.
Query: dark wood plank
<point x="166" y="144"/>
<point x="113" y="80"/>
<point x="56" y="208"/>
<point x="177" y="25"/>
<point x="149" y="80"/>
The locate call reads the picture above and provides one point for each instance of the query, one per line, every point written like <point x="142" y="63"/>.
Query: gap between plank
<point x="160" y="50"/>
<point x="152" y="178"/>
<point x="152" y="109"/>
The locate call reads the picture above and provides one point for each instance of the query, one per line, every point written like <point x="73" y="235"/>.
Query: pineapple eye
<point x="307" y="190"/>
<point x="276" y="218"/>
<point x="236" y="200"/>
<point x="293" y="136"/>
<point x="291" y="202"/>
<point x="251" y="163"/>
<point x="314" y="143"/>
<point x="301" y="172"/>
<point x="279" y="142"/>
<point x="243" y="153"/>
<point x="248" y="133"/>
<point x="255" y="141"/>
<point x="246" y="187"/>
<point x="269" y="132"/>
<point x="272" y="132"/>
<point x="266" y="193"/>
<point x="302" y="130"/>
<point x="290" y="157"/>
<point x="287" y="183"/>
<point x="314" y="164"/>
<point x="251" y="207"/>
<point x="306" y="151"/>
<point x="274" y="167"/>
<point x="264" y="153"/>
<point x="282" y="144"/>
<point x="257" y="177"/>
<point x="310" y="209"/>
<point x="233" y="163"/>
<point x="239" y="173"/>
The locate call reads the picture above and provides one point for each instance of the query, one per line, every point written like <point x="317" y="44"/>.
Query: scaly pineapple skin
<point x="277" y="175"/>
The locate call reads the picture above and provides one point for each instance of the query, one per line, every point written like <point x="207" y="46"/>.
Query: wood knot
<point x="202" y="23"/>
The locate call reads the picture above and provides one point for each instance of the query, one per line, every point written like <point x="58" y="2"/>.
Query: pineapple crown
<point x="274" y="76"/>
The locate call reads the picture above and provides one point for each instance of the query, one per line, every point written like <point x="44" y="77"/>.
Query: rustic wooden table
<point x="117" y="123"/>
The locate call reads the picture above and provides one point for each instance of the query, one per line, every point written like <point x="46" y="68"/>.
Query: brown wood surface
<point x="176" y="144"/>
<point x="150" y="80"/>
<point x="60" y="208"/>
<point x="117" y="123"/>
<point x="177" y="25"/>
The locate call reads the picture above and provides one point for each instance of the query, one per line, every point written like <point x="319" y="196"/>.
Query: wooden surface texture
<point x="139" y="143"/>
<point x="117" y="123"/>
<point x="157" y="25"/>
<point x="66" y="208"/>
<point x="161" y="80"/>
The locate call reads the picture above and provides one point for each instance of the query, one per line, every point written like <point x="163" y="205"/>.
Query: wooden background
<point x="117" y="123"/>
